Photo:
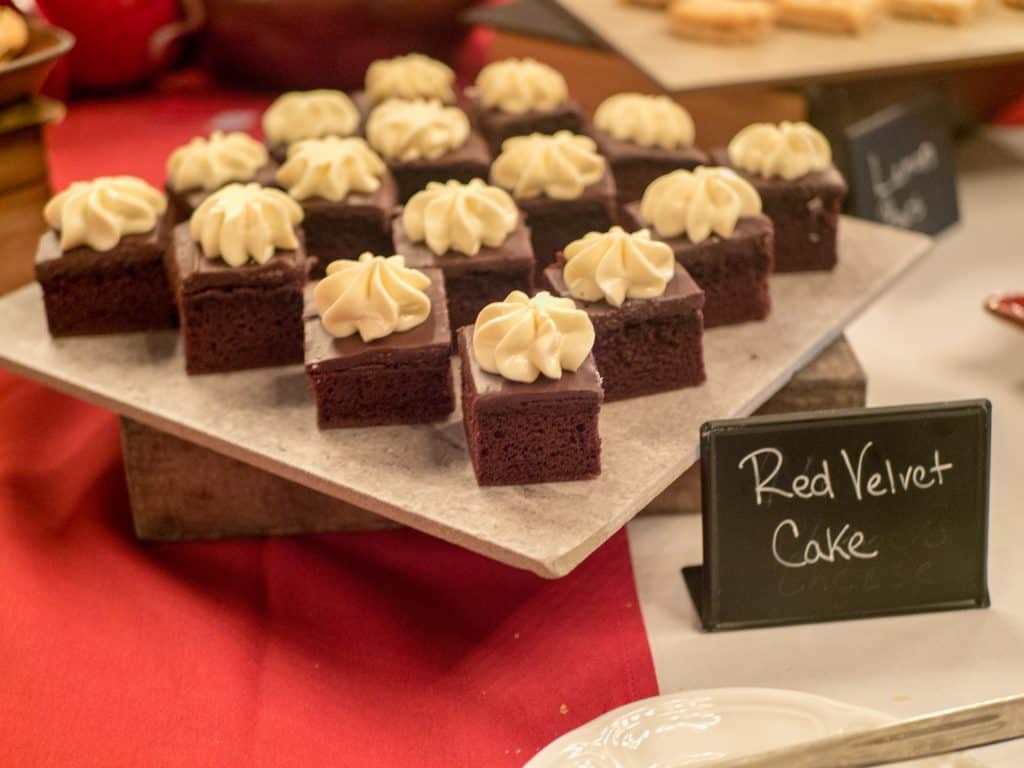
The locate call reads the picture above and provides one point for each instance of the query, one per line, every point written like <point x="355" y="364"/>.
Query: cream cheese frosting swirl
<point x="313" y="114"/>
<point x="617" y="265"/>
<point x="374" y="297"/>
<point x="413" y="76"/>
<point x="403" y="131"/>
<point x="331" y="168"/>
<point x="13" y="33"/>
<point x="460" y="217"/>
<point x="100" y="212"/>
<point x="645" y="120"/>
<point x="516" y="86"/>
<point x="559" y="166"/>
<point x="698" y="204"/>
<point x="521" y="337"/>
<point x="211" y="163"/>
<point x="244" y="222"/>
<point x="787" y="150"/>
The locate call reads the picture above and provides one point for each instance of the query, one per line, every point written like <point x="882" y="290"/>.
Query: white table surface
<point x="927" y="340"/>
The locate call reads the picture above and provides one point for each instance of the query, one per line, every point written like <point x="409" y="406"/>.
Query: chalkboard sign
<point x="902" y="170"/>
<point x="844" y="515"/>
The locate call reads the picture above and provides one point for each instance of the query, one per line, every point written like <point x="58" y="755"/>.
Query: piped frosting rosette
<point x="787" y="150"/>
<point x="245" y="222"/>
<point x="405" y="131"/>
<point x="645" y="120"/>
<point x="331" y="168"/>
<point x="460" y="217"/>
<point x="210" y="163"/>
<point x="617" y="265"/>
<point x="560" y="166"/>
<point x="515" y="86"/>
<point x="100" y="212"/>
<point x="699" y="203"/>
<point x="413" y="76"/>
<point x="313" y="114"/>
<point x="521" y="338"/>
<point x="374" y="297"/>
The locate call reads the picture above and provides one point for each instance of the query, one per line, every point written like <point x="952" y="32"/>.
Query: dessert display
<point x="347" y="196"/>
<point x="475" y="235"/>
<point x="943" y="11"/>
<point x="237" y="269"/>
<point x="377" y="352"/>
<point x="851" y="17"/>
<point x="100" y="265"/>
<point x="562" y="184"/>
<point x="531" y="393"/>
<point x="204" y="165"/>
<point x="644" y="137"/>
<point x="722" y="21"/>
<point x="13" y="34"/>
<point x="424" y="141"/>
<point x="517" y="97"/>
<point x="409" y="77"/>
<point x="790" y="166"/>
<point x="711" y="219"/>
<point x="645" y="309"/>
<point x="299" y="115"/>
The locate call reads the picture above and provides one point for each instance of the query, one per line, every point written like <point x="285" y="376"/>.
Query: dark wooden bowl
<point x="23" y="76"/>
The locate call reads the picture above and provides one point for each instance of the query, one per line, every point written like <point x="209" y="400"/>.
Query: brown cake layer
<point x="556" y="223"/>
<point x="344" y="229"/>
<point x="734" y="272"/>
<point x="635" y="167"/>
<point x="646" y="345"/>
<point x="404" y="378"/>
<point x="89" y="292"/>
<point x="497" y="126"/>
<point x="235" y="318"/>
<point x="473" y="282"/>
<point x="542" y="432"/>
<point x="470" y="161"/>
<point x="805" y="213"/>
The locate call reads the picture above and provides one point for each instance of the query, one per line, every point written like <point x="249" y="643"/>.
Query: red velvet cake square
<point x="733" y="272"/>
<point x="646" y="345"/>
<point x="539" y="432"/>
<point x="402" y="378"/>
<point x="235" y="318"/>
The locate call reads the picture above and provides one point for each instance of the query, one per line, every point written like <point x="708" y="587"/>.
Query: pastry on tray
<point x="409" y="77"/>
<point x="645" y="308"/>
<point x="378" y="348"/>
<point x="238" y="268"/>
<point x="711" y="219"/>
<point x="942" y="11"/>
<point x="644" y="137"/>
<point x="101" y="263"/>
<point x="347" y="195"/>
<point x="562" y="184"/>
<point x="531" y="393"/>
<point x="721" y="21"/>
<point x="475" y="235"/>
<point x="299" y="115"/>
<point x="851" y="17"/>
<point x="517" y="97"/>
<point x="204" y="165"/>
<point x="425" y="140"/>
<point x="790" y="166"/>
<point x="13" y="34"/>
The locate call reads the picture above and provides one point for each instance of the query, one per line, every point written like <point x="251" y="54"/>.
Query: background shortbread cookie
<point x="722" y="21"/>
<point x="850" y="17"/>
<point x="944" y="11"/>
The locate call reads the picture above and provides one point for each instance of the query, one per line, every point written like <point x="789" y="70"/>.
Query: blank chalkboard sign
<point x="844" y="515"/>
<point x="902" y="170"/>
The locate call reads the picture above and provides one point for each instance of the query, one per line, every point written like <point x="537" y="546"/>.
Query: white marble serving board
<point x="421" y="475"/>
<point x="641" y="34"/>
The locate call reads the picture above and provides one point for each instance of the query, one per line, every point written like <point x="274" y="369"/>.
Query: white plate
<point x="698" y="727"/>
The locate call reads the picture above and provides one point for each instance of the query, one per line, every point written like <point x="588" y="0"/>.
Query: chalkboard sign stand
<point x="911" y="545"/>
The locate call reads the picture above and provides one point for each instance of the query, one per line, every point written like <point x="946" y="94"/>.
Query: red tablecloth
<point x="376" y="649"/>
